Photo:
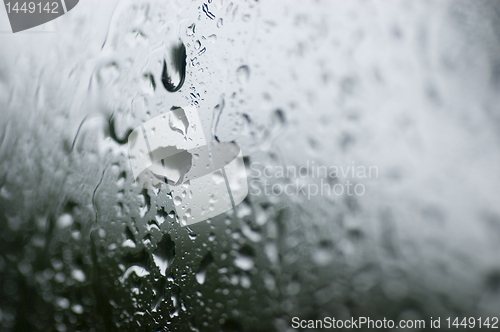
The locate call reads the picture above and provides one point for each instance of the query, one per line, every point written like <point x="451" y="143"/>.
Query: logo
<point x="205" y="180"/>
<point x="28" y="14"/>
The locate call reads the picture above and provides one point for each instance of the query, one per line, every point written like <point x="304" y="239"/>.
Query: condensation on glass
<point x="410" y="89"/>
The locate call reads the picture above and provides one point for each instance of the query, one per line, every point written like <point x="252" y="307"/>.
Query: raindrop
<point x="322" y="256"/>
<point x="140" y="271"/>
<point x="77" y="309"/>
<point x="172" y="168"/>
<point x="243" y="210"/>
<point x="164" y="254"/>
<point x="244" y="259"/>
<point x="65" y="220"/>
<point x="129" y="239"/>
<point x="78" y="275"/>
<point x="207" y="12"/>
<point x="175" y="72"/>
<point x="191" y="30"/>
<point x="146" y="203"/>
<point x="202" y="270"/>
<point x="114" y="135"/>
<point x="161" y="216"/>
<point x="216" y="116"/>
<point x="278" y="118"/>
<point x="63" y="303"/>
<point x="178" y="121"/>
<point x="243" y="74"/>
<point x="212" y="38"/>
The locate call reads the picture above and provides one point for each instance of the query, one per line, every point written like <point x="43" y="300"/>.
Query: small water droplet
<point x="65" y="220"/>
<point x="78" y="275"/>
<point x="207" y="12"/>
<point x="190" y="30"/>
<point x="212" y="38"/>
<point x="244" y="258"/>
<point x="77" y="309"/>
<point x="243" y="74"/>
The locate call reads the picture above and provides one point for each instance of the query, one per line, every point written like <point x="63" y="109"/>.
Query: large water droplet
<point x="174" y="72"/>
<point x="201" y="275"/>
<point x="177" y="120"/>
<point x="164" y="254"/>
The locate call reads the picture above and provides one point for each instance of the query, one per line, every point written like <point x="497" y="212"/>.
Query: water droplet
<point x="65" y="220"/>
<point x="161" y="216"/>
<point x="164" y="254"/>
<point x="63" y="302"/>
<point x="190" y="30"/>
<point x="177" y="120"/>
<point x="172" y="168"/>
<point x="207" y="12"/>
<point x="129" y="239"/>
<point x="77" y="309"/>
<point x="175" y="72"/>
<point x="245" y="281"/>
<point x="78" y="275"/>
<point x="202" y="270"/>
<point x="128" y="243"/>
<point x="140" y="271"/>
<point x="278" y="118"/>
<point x="243" y="210"/>
<point x="216" y="116"/>
<point x="177" y="200"/>
<point x="220" y="23"/>
<point x="212" y="38"/>
<point x="243" y="74"/>
<point x="322" y="256"/>
<point x="244" y="258"/>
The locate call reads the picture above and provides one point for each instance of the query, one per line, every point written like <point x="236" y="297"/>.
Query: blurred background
<point x="409" y="88"/>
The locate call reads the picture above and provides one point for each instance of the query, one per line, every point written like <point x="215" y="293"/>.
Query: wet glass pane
<point x="250" y="166"/>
